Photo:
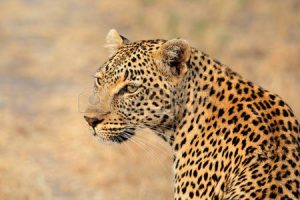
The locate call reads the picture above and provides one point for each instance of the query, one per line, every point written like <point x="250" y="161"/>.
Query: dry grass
<point x="50" y="49"/>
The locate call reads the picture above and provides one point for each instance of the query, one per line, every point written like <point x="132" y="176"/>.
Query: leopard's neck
<point x="201" y="96"/>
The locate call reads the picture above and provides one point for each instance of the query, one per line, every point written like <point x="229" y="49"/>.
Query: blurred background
<point x="49" y="51"/>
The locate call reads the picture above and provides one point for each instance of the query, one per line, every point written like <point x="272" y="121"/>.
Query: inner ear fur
<point x="173" y="56"/>
<point x="114" y="41"/>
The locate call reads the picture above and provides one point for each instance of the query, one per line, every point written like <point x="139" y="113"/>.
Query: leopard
<point x="230" y="138"/>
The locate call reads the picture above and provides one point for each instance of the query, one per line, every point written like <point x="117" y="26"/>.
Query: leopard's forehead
<point x="128" y="58"/>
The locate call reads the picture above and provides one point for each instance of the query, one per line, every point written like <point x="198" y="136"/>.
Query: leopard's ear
<point x="173" y="57"/>
<point x="114" y="41"/>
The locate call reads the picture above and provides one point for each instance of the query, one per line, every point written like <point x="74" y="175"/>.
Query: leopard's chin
<point x="121" y="137"/>
<point x="115" y="137"/>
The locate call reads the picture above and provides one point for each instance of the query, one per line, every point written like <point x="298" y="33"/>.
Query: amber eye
<point x="132" y="88"/>
<point x="129" y="89"/>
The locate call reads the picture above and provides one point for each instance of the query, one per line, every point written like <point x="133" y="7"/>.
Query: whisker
<point x="156" y="146"/>
<point x="158" y="132"/>
<point x="152" y="150"/>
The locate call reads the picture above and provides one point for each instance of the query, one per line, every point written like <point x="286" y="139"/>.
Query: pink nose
<point x="93" y="121"/>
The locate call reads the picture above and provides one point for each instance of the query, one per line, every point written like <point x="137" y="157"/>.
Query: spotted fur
<point x="231" y="138"/>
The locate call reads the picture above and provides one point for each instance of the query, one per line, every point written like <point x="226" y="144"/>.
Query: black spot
<point x="255" y="122"/>
<point x="281" y="103"/>
<point x="133" y="59"/>
<point x="229" y="85"/>
<point x="214" y="177"/>
<point x="191" y="194"/>
<point x="285" y="113"/>
<point x="190" y="128"/>
<point x="183" y="142"/>
<point x="155" y="104"/>
<point x="195" y="173"/>
<point x="221" y="112"/>
<point x="235" y="141"/>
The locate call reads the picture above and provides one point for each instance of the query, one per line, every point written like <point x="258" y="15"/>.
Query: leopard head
<point x="137" y="87"/>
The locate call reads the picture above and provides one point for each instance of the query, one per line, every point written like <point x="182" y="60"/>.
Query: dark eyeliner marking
<point x="123" y="90"/>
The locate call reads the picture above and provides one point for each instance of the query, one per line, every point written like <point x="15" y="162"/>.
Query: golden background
<point x="49" y="51"/>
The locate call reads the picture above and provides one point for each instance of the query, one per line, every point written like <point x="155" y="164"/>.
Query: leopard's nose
<point x="93" y="121"/>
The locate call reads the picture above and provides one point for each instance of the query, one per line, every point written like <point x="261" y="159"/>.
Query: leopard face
<point x="137" y="88"/>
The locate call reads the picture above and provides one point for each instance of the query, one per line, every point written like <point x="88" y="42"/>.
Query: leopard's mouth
<point x="122" y="137"/>
<point x="115" y="136"/>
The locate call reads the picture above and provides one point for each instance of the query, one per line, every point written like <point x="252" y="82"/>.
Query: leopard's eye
<point x="129" y="89"/>
<point x="98" y="81"/>
<point x="132" y="88"/>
